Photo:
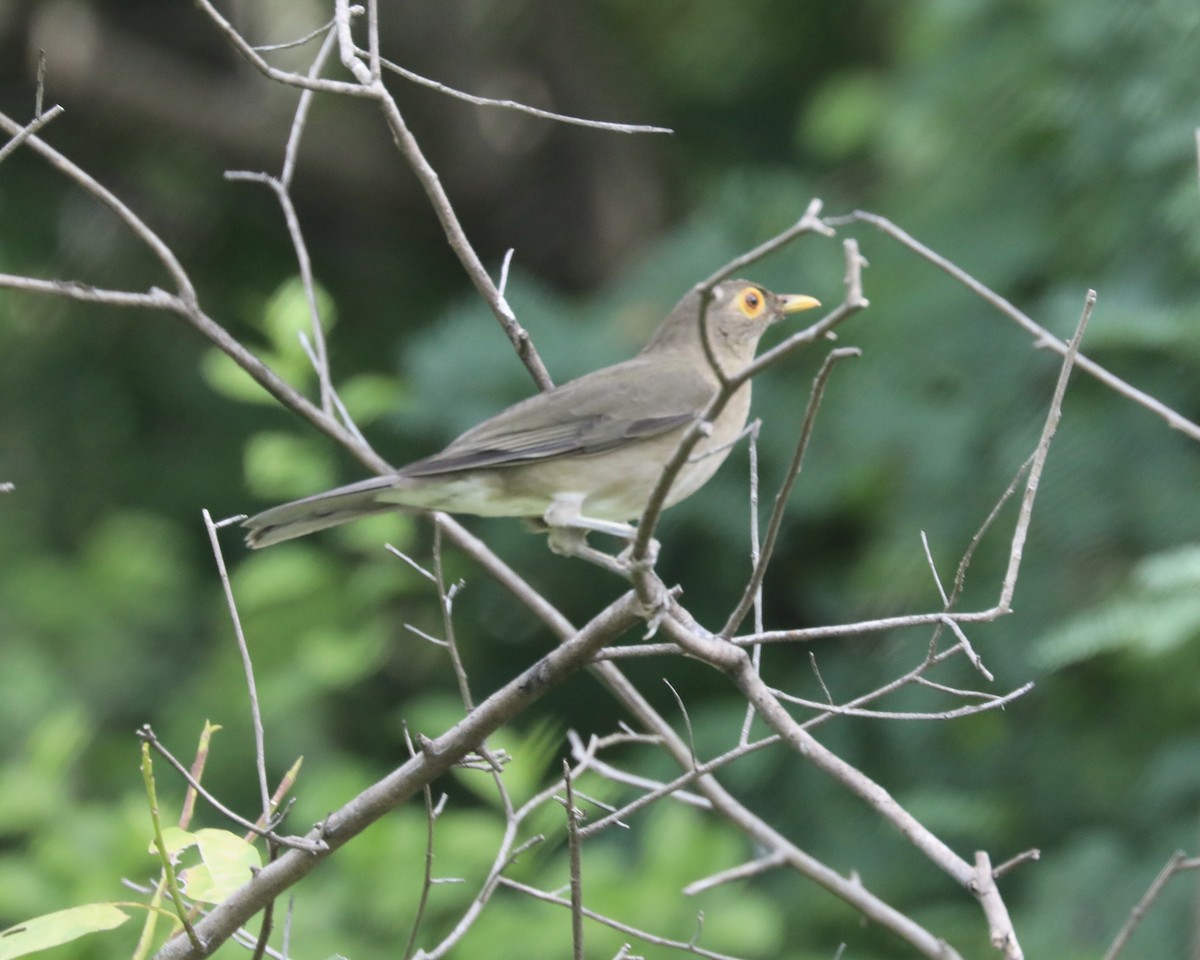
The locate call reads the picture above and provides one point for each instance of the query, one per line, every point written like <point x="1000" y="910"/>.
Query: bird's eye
<point x="751" y="302"/>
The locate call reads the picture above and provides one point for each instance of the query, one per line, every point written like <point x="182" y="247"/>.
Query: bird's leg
<point x="569" y="529"/>
<point x="572" y="542"/>
<point x="566" y="510"/>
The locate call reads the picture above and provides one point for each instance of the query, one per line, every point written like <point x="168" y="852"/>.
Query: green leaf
<point x="53" y="929"/>
<point x="175" y="839"/>
<point x="228" y="862"/>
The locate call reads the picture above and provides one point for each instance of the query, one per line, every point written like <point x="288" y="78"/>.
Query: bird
<point x="585" y="455"/>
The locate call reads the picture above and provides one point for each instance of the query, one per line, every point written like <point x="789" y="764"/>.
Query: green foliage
<point x="226" y="863"/>
<point x="55" y="929"/>
<point x="1155" y="614"/>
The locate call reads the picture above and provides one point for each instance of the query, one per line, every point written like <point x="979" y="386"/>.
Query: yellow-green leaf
<point x="53" y="929"/>
<point x="228" y="863"/>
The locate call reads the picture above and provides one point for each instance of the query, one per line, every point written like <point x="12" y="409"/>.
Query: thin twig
<point x="992" y="703"/>
<point x="1040" y="453"/>
<point x="431" y="815"/>
<point x="304" y="263"/>
<point x="436" y="194"/>
<point x="519" y="107"/>
<point x="291" y="44"/>
<point x="687" y="721"/>
<point x="197" y="772"/>
<point x="947" y="603"/>
<point x="1013" y="862"/>
<point x="286" y="782"/>
<point x="810" y="222"/>
<point x="250" y="52"/>
<point x="446" y="603"/>
<point x="373" y="40"/>
<point x="1042" y="336"/>
<point x="756" y="651"/>
<point x="40" y="92"/>
<point x="260" y="752"/>
<point x="645" y="935"/>
<point x="1178" y="863"/>
<point x="850" y="889"/>
<point x="752" y="588"/>
<point x="743" y="871"/>
<point x="575" y="864"/>
<point x="434" y="759"/>
<point x="146" y="734"/>
<point x="40" y="120"/>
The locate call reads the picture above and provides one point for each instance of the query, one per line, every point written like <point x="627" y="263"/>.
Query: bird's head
<point x="735" y="316"/>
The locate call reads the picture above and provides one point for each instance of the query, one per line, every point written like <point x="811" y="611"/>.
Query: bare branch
<point x="73" y="172"/>
<point x="785" y="490"/>
<point x="741" y="872"/>
<point x="1042" y="337"/>
<point x="260" y="752"/>
<point x="434" y="759"/>
<point x="685" y="946"/>
<point x="314" y="846"/>
<point x="1000" y="928"/>
<point x="810" y="222"/>
<point x="851" y="890"/>
<point x="252" y="55"/>
<point x="431" y="817"/>
<point x="1013" y="862"/>
<point x="756" y="651"/>
<point x="432" y="185"/>
<point x="1178" y="863"/>
<point x="40" y="94"/>
<point x="519" y="107"/>
<point x="446" y="603"/>
<point x="574" y="849"/>
<point x="1040" y="453"/>
<point x="991" y="703"/>
<point x="40" y="120"/>
<point x="325" y="28"/>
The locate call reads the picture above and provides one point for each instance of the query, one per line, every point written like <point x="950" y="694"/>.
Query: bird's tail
<point x="329" y="509"/>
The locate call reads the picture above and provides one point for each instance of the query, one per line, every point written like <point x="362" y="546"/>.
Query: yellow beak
<point x="795" y="302"/>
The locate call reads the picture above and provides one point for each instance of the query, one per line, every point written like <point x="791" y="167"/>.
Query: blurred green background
<point x="1046" y="147"/>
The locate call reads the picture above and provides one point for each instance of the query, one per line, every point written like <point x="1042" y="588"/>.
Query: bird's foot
<point x="572" y="542"/>
<point x="568" y="529"/>
<point x="651" y="558"/>
<point x="656" y="608"/>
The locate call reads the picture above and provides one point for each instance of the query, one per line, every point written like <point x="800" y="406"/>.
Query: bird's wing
<point x="631" y="401"/>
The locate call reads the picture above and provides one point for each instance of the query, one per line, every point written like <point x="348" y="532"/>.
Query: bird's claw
<point x="626" y="556"/>
<point x="655" y="610"/>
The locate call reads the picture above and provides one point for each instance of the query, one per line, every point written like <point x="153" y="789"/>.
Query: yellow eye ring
<point x="752" y="302"/>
